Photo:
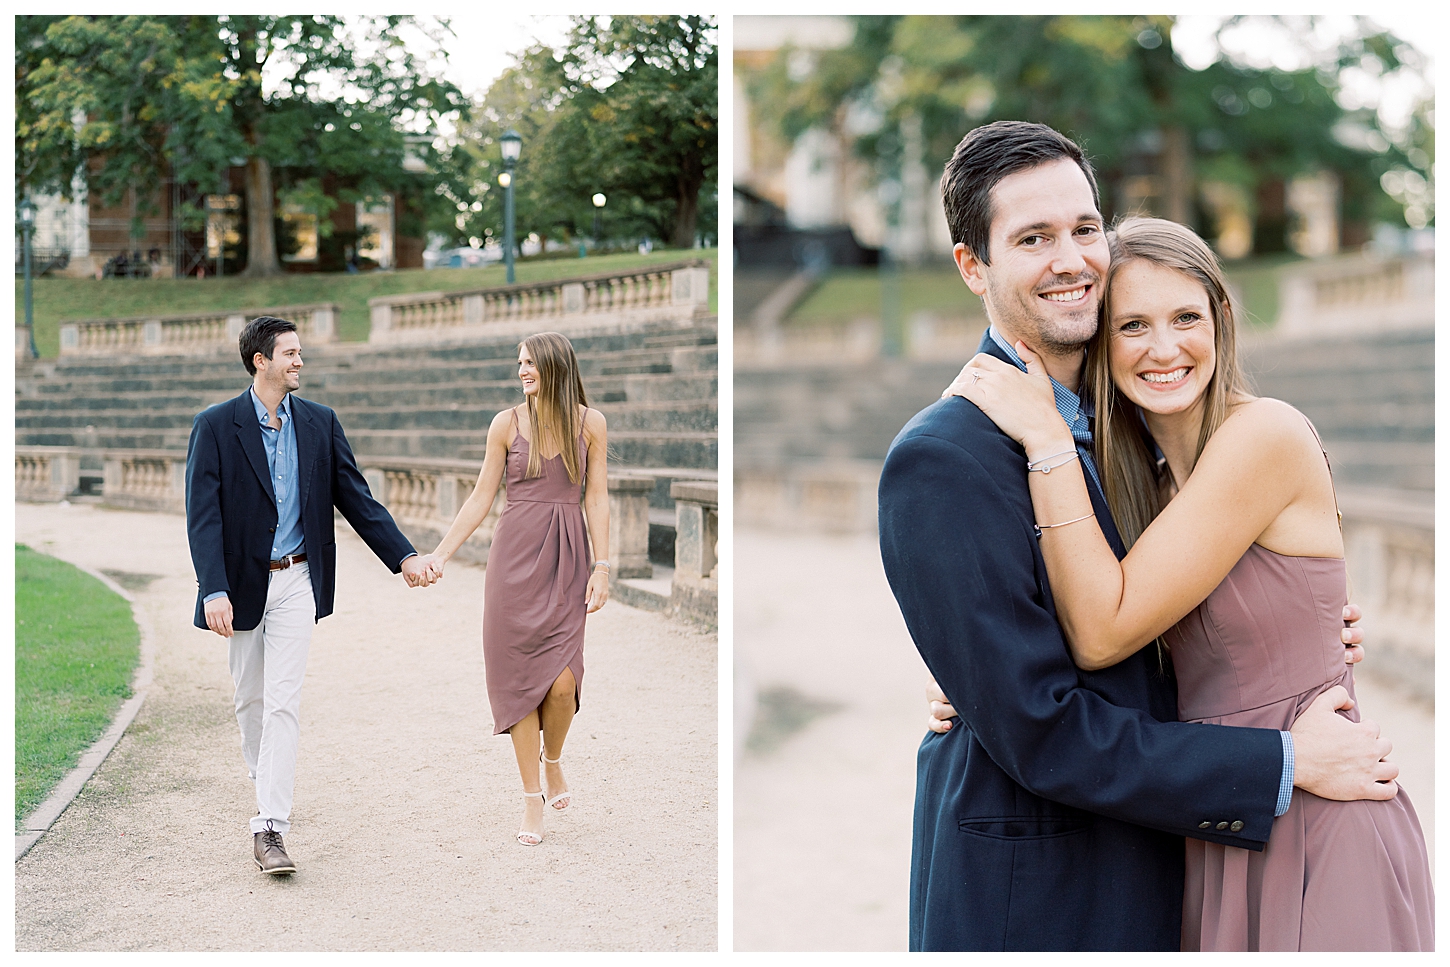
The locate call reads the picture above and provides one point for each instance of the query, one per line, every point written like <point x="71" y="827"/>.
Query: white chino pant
<point x="267" y="665"/>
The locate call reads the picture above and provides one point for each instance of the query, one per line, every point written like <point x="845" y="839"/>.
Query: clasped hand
<point x="421" y="570"/>
<point x="1021" y="404"/>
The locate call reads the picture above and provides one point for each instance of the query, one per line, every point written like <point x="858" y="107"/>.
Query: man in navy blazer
<point x="263" y="474"/>
<point x="1052" y="818"/>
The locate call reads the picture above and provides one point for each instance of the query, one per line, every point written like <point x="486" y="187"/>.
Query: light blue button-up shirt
<point x="1078" y="416"/>
<point x="281" y="447"/>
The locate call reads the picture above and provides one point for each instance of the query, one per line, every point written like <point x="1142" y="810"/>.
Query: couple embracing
<point x="264" y="472"/>
<point x="1126" y="574"/>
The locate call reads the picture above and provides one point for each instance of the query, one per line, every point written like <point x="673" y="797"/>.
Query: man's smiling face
<point x="1049" y="256"/>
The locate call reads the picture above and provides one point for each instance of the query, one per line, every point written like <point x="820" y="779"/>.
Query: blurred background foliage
<point x="1116" y="85"/>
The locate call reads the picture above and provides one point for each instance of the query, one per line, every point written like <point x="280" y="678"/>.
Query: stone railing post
<point x="629" y="526"/>
<point x="22" y="342"/>
<point x="695" y="589"/>
<point x="324" y="323"/>
<point x="690" y="286"/>
<point x="1389" y="552"/>
<point x="380" y="317"/>
<point x="70" y="337"/>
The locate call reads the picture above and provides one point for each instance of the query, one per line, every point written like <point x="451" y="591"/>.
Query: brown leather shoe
<point x="270" y="854"/>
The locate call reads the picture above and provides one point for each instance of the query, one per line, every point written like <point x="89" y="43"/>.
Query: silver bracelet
<point x="1037" y="529"/>
<point x="603" y="564"/>
<point x="1040" y="464"/>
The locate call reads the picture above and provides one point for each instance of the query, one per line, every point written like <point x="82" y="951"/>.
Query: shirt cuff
<point x="405" y="557"/>
<point x="213" y="596"/>
<point x="1286" y="779"/>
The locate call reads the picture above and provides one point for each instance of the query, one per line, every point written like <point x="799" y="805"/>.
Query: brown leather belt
<point x="287" y="562"/>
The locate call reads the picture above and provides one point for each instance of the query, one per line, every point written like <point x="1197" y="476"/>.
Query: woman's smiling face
<point x="1161" y="347"/>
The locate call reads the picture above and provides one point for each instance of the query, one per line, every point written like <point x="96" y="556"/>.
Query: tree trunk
<point x="261" y="239"/>
<point x="687" y="207"/>
<point x="1178" y="175"/>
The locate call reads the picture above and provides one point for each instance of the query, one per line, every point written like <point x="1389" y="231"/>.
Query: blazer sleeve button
<point x="1205" y="824"/>
<point x="1222" y="825"/>
<point x="1236" y="825"/>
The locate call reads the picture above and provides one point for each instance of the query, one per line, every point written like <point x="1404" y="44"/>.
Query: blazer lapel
<point x="249" y="435"/>
<point x="309" y="443"/>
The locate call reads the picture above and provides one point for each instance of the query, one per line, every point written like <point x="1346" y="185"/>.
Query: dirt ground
<point x="406" y="803"/>
<point x="823" y="813"/>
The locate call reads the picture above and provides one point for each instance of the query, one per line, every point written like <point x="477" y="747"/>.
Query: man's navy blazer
<point x="231" y="507"/>
<point x="1051" y="817"/>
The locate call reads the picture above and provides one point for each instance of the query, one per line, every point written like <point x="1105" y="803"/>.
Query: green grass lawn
<point x="76" y="648"/>
<point x="58" y="300"/>
<point x="849" y="293"/>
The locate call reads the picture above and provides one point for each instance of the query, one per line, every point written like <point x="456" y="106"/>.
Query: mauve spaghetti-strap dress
<point x="1335" y="875"/>
<point x="534" y="587"/>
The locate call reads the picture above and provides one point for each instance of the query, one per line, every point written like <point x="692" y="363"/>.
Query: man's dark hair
<point x="987" y="155"/>
<point x="260" y="336"/>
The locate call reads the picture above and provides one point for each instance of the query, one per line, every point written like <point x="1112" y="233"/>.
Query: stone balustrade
<point x="145" y="480"/>
<point x="188" y="332"/>
<point x="46" y="473"/>
<point x="1355" y="294"/>
<point x="424" y="495"/>
<point x="1389" y="550"/>
<point x="694" y="592"/>
<point x="679" y="290"/>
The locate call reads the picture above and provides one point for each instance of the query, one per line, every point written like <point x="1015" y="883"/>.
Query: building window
<point x="375" y="231"/>
<point x="223" y="225"/>
<point x="302" y="229"/>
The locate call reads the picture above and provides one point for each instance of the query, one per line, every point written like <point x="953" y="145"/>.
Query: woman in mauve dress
<point x="541" y="579"/>
<point x="1236" y="561"/>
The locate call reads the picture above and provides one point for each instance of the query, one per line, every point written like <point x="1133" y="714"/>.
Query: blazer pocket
<point x="1023" y="827"/>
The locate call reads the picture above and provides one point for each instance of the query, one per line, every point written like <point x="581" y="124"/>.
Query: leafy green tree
<point x="129" y="101"/>
<point x="1114" y="84"/>
<point x="627" y="106"/>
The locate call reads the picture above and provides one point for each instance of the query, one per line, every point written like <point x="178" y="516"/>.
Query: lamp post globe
<point x="26" y="212"/>
<point x="510" y="144"/>
<point x="599" y="201"/>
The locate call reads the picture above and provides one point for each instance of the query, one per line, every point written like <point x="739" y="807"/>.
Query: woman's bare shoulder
<point x="1269" y="426"/>
<point x="593" y="420"/>
<point x="502" y="421"/>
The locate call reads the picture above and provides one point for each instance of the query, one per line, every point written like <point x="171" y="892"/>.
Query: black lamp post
<point x="510" y="144"/>
<point x="599" y="200"/>
<point x="26" y="213"/>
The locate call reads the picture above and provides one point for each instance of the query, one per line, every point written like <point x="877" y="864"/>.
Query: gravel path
<point x="823" y="820"/>
<point x="406" y="803"/>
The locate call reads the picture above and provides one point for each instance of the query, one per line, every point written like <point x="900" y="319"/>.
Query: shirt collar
<point x="1068" y="402"/>
<point x="285" y="407"/>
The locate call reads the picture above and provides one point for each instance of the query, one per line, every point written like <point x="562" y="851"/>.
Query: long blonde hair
<point x="554" y="419"/>
<point x="1133" y="480"/>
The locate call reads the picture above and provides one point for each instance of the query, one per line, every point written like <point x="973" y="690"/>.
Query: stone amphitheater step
<point x="657" y="384"/>
<point x="316" y="385"/>
<point x="1371" y="398"/>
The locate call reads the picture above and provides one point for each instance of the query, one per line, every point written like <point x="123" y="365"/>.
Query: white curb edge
<point x="38" y="823"/>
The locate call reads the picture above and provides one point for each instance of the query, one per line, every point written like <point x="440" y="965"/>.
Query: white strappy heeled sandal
<point x="563" y="795"/>
<point x="526" y="837"/>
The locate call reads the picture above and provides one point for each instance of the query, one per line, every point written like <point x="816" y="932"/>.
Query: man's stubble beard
<point x="1041" y="334"/>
